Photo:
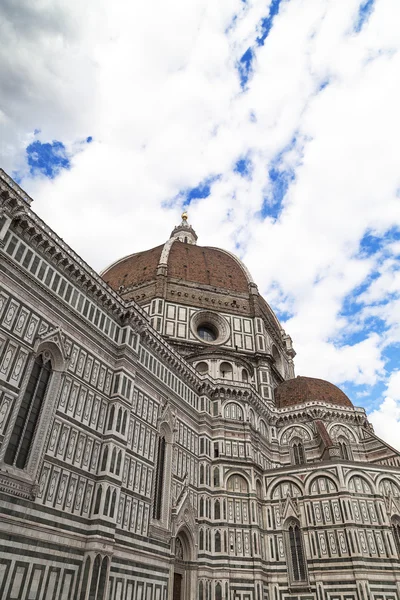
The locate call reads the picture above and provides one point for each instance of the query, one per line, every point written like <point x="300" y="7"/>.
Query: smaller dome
<point x="308" y="389"/>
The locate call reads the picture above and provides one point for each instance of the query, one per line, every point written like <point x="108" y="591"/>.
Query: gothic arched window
<point x="201" y="593"/>
<point x="124" y="422"/>
<point x="113" y="459"/>
<point x="216" y="477"/>
<point x="217" y="542"/>
<point x="21" y="439"/>
<point x="105" y="457"/>
<point x="217" y="510"/>
<point x="345" y="451"/>
<point x="396" y="534"/>
<point x="159" y="478"/>
<point x="218" y="592"/>
<point x="201" y="473"/>
<point x="95" y="578"/>
<point x="107" y="501"/>
<point x="111" y="417"/>
<point x="98" y="500"/>
<point x="201" y="540"/>
<point x="295" y="552"/>
<point x="299" y="456"/>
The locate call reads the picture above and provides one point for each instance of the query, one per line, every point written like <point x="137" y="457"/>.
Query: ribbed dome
<point x="133" y="270"/>
<point x="185" y="262"/>
<point x="308" y="389"/>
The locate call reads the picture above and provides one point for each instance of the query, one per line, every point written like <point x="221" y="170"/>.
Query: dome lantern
<point x="184" y="232"/>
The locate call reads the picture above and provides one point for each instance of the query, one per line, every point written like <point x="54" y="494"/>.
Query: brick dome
<point x="308" y="389"/>
<point x="185" y="263"/>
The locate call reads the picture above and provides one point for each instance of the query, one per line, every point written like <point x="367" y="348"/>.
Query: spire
<point x="184" y="232"/>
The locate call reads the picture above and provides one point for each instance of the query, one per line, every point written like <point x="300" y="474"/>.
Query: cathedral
<point x="156" y="444"/>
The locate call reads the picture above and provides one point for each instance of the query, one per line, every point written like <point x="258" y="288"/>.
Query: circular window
<point x="210" y="327"/>
<point x="207" y="333"/>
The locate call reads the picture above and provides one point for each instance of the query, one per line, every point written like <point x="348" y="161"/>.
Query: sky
<point x="275" y="123"/>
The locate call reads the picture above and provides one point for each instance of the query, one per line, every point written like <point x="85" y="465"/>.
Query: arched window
<point x="201" y="591"/>
<point x="201" y="540"/>
<point x="85" y="579"/>
<point x="245" y="376"/>
<point x="119" y="462"/>
<point x="102" y="579"/>
<point x="217" y="542"/>
<point x="107" y="501"/>
<point x="202" y="368"/>
<point x="216" y="477"/>
<point x="217" y="510"/>
<point x="259" y="489"/>
<point x="295" y="552"/>
<point x="201" y="473"/>
<point x="263" y="428"/>
<point x="233" y="411"/>
<point x="119" y="419"/>
<point x="299" y="456"/>
<point x="344" y="448"/>
<point x="159" y="481"/>
<point x="105" y="457"/>
<point x="396" y="533"/>
<point x="237" y="484"/>
<point x="111" y="417"/>
<point x="21" y="439"/>
<point x="201" y="509"/>
<point x="226" y="370"/>
<point x="124" y="422"/>
<point x="113" y="501"/>
<point x="277" y="358"/>
<point x="113" y="459"/>
<point x="95" y="578"/>
<point x="98" y="500"/>
<point x="218" y="592"/>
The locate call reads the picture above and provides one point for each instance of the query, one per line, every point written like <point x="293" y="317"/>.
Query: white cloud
<point x="158" y="89"/>
<point x="386" y="419"/>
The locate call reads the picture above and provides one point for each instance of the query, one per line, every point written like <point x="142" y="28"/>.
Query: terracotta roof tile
<point x="308" y="389"/>
<point x="186" y="262"/>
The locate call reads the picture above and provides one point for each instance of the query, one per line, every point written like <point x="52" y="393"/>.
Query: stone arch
<point x="188" y="544"/>
<point x="286" y="481"/>
<point x="237" y="473"/>
<point x="52" y="352"/>
<point x="233" y="410"/>
<point x="301" y="431"/>
<point x="336" y="430"/>
<point x="226" y="370"/>
<point x="183" y="581"/>
<point x="351" y="481"/>
<point x="263" y="428"/>
<point x="313" y="477"/>
<point x="54" y="348"/>
<point x="388" y="485"/>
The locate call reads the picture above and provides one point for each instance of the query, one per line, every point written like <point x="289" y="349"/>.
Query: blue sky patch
<point x="47" y="158"/>
<point x="280" y="177"/>
<point x="266" y="23"/>
<point x="245" y="67"/>
<point x="244" y="167"/>
<point x="202" y="190"/>
<point x="364" y="13"/>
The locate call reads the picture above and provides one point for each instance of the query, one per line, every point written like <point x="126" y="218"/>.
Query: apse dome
<point x="309" y="389"/>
